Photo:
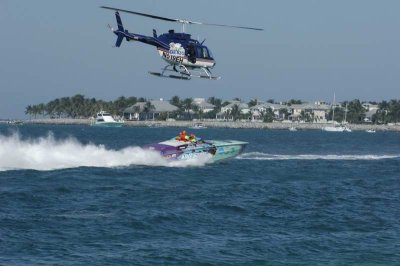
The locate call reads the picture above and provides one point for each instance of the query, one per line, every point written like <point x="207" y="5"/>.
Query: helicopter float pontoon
<point x="186" y="57"/>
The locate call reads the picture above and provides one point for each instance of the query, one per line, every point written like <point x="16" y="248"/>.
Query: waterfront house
<point x="203" y="105"/>
<point x="226" y="111"/>
<point x="309" y="112"/>
<point x="149" y="110"/>
<point x="371" y="109"/>
<point x="259" y="110"/>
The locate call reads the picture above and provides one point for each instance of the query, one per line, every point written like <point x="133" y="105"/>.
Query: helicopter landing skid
<point x="185" y="74"/>
<point x="157" y="74"/>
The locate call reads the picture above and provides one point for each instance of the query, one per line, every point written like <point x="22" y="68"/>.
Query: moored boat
<point x="334" y="129"/>
<point x="105" y="119"/>
<point x="198" y="126"/>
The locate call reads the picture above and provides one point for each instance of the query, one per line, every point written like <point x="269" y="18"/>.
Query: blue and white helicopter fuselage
<point x="184" y="55"/>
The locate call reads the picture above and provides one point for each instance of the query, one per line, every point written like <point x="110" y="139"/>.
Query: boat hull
<point x="333" y="129"/>
<point x="109" y="124"/>
<point x="227" y="149"/>
<point x="179" y="150"/>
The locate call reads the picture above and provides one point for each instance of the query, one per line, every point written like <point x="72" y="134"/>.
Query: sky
<point x="309" y="50"/>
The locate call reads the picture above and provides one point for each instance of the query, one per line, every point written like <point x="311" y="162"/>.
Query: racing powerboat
<point x="183" y="150"/>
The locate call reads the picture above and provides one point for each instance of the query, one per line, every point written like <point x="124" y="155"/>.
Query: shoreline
<point x="217" y="124"/>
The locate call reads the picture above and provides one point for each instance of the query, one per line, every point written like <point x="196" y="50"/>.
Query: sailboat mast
<point x="333" y="109"/>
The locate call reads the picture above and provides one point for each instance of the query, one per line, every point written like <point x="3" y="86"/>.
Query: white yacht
<point x="371" y="131"/>
<point x="292" y="129"/>
<point x="334" y="128"/>
<point x="105" y="119"/>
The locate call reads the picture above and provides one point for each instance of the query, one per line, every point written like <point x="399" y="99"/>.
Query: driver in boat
<point x="192" y="138"/>
<point x="182" y="136"/>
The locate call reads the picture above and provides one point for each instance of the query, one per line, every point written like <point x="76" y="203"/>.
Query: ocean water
<point x="74" y="195"/>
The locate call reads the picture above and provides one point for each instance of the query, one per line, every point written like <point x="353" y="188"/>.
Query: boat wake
<point x="344" y="157"/>
<point x="47" y="153"/>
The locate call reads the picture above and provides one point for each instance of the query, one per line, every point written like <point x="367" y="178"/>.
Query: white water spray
<point x="47" y="153"/>
<point x="345" y="157"/>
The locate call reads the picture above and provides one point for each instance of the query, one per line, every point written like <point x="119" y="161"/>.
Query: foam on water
<point x="345" y="157"/>
<point x="47" y="153"/>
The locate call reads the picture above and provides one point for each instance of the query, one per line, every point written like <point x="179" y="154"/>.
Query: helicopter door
<point x="191" y="53"/>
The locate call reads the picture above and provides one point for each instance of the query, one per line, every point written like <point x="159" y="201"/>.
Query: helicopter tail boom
<point x="120" y="32"/>
<point x="119" y="22"/>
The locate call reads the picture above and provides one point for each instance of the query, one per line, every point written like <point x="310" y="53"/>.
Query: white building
<point x="316" y="111"/>
<point x="136" y="111"/>
<point x="226" y="110"/>
<point x="371" y="109"/>
<point x="257" y="111"/>
<point x="203" y="105"/>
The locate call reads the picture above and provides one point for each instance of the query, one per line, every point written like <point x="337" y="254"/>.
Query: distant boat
<point x="370" y="131"/>
<point x="198" y="126"/>
<point x="154" y="124"/>
<point x="105" y="119"/>
<point x="15" y="122"/>
<point x="334" y="127"/>
<point x="292" y="129"/>
<point x="346" y="129"/>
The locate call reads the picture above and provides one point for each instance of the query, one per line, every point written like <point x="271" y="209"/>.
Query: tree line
<point x="78" y="106"/>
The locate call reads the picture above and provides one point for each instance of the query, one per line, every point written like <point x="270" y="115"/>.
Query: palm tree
<point x="136" y="110"/>
<point x="196" y="110"/>
<point x="268" y="115"/>
<point x="253" y="103"/>
<point x="29" y="111"/>
<point x="217" y="103"/>
<point x="235" y="112"/>
<point x="188" y="105"/>
<point x="175" y="101"/>
<point x="356" y="112"/>
<point x="148" y="107"/>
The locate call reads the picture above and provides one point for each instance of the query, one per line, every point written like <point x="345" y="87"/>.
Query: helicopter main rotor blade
<point x="178" y="20"/>
<point x="229" y="26"/>
<point x="141" y="14"/>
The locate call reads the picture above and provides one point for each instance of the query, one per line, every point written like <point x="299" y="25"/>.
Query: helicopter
<point x="185" y="57"/>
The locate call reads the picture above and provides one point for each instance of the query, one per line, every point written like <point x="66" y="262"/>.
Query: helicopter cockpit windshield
<point x="203" y="52"/>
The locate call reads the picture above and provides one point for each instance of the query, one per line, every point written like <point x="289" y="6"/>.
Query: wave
<point x="47" y="153"/>
<point x="344" y="157"/>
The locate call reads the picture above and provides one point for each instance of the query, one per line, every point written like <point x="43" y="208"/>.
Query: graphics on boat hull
<point x="180" y="150"/>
